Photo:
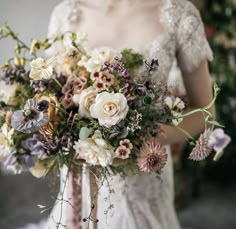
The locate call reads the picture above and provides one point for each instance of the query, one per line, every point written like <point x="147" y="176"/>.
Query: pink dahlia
<point x="152" y="157"/>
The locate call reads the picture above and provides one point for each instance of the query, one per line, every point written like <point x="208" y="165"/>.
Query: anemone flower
<point x="31" y="119"/>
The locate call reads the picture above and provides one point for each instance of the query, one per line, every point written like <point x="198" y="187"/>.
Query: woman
<point x="164" y="29"/>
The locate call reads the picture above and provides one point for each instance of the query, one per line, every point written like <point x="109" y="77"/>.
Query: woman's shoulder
<point x="62" y="17"/>
<point x="179" y="10"/>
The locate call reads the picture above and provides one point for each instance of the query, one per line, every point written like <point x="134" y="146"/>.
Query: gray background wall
<point x="27" y="17"/>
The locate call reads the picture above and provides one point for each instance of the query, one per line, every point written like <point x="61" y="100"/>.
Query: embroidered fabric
<point x="146" y="201"/>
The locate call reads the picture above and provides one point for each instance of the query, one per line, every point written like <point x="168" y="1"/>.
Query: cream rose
<point x="95" y="150"/>
<point x="109" y="108"/>
<point x="99" y="57"/>
<point x="85" y="100"/>
<point x="41" y="69"/>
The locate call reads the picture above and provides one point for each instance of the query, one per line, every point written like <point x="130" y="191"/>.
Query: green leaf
<point x="215" y="123"/>
<point x="84" y="133"/>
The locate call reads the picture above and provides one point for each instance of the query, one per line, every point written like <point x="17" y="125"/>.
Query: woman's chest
<point x="123" y="28"/>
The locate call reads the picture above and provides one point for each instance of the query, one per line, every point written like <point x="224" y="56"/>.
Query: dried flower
<point x="134" y="121"/>
<point x="73" y="86"/>
<point x="41" y="85"/>
<point x="31" y="119"/>
<point x="122" y="152"/>
<point x="152" y="157"/>
<point x="202" y="148"/>
<point x="218" y="140"/>
<point x="15" y="73"/>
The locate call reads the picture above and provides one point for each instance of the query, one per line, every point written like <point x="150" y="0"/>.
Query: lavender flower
<point x="31" y="119"/>
<point x="12" y="164"/>
<point x="28" y="160"/>
<point x="218" y="140"/>
<point x="35" y="146"/>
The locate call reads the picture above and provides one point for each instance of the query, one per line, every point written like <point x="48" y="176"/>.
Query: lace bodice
<point x="183" y="38"/>
<point x="148" y="202"/>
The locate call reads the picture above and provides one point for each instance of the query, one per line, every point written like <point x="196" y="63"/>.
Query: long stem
<point x="184" y="132"/>
<point x="57" y="82"/>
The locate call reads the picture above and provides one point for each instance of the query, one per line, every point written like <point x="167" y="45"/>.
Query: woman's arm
<point x="199" y="93"/>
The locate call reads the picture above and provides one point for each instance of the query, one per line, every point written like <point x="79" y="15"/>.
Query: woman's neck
<point x="107" y="4"/>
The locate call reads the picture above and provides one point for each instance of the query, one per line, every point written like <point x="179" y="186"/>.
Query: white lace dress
<point x="145" y="202"/>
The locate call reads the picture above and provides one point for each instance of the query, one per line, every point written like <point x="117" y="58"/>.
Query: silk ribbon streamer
<point x="79" y="197"/>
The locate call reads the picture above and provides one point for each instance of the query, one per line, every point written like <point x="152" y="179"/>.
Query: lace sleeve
<point x="59" y="23"/>
<point x="192" y="45"/>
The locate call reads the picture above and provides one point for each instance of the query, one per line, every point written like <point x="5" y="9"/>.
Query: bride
<point x="163" y="29"/>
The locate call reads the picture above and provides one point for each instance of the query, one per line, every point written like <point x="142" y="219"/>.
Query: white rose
<point x="109" y="108"/>
<point x="95" y="150"/>
<point x="85" y="100"/>
<point x="41" y="69"/>
<point x="7" y="92"/>
<point x="99" y="57"/>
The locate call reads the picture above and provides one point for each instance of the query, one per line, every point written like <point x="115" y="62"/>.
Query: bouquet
<point x="92" y="108"/>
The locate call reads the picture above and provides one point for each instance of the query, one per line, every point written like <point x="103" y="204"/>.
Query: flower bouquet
<point x="90" y="108"/>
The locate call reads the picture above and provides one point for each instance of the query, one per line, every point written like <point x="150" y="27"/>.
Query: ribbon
<point x="79" y="197"/>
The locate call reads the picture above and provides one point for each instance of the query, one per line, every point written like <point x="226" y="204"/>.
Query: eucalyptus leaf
<point x="84" y="133"/>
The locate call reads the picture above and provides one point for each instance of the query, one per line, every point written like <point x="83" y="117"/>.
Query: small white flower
<point x="7" y="133"/>
<point x="95" y="150"/>
<point x="7" y="92"/>
<point x="109" y="108"/>
<point x="6" y="141"/>
<point x="174" y="103"/>
<point x="85" y="101"/>
<point x="177" y="119"/>
<point x="99" y="57"/>
<point x="41" y="69"/>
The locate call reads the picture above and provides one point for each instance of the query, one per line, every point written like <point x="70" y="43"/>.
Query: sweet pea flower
<point x="218" y="141"/>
